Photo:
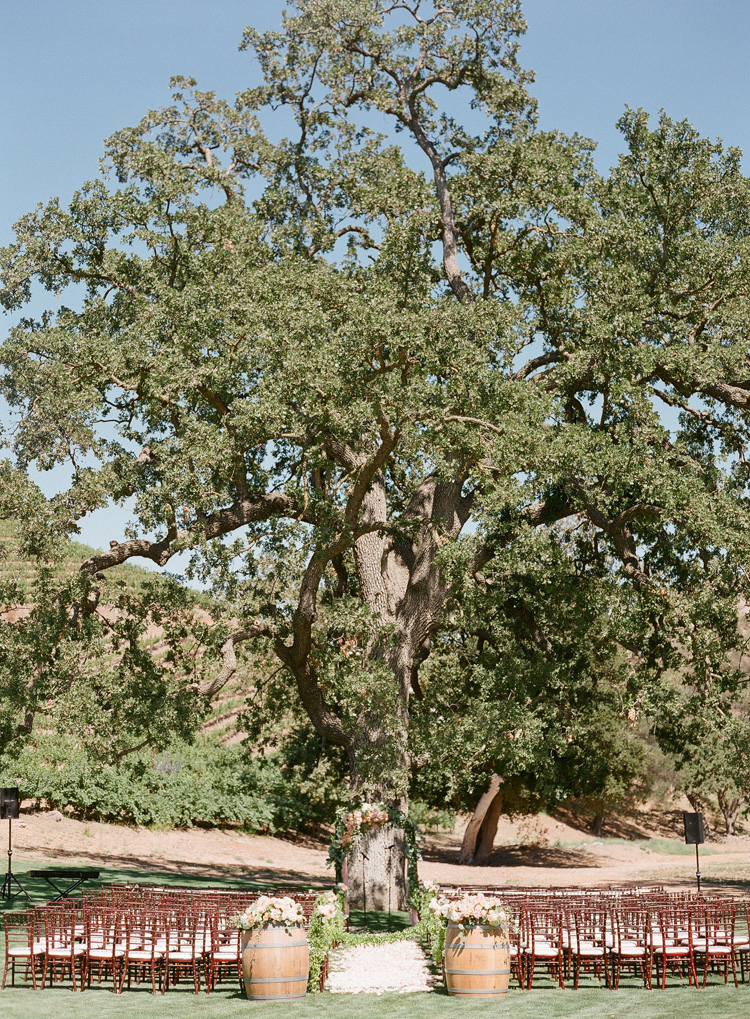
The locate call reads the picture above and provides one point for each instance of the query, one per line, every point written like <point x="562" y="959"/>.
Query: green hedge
<point x="205" y="783"/>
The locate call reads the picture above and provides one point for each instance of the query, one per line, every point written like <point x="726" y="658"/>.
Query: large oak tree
<point x="354" y="372"/>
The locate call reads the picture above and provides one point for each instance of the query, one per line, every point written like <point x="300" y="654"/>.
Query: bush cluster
<point x="204" y="783"/>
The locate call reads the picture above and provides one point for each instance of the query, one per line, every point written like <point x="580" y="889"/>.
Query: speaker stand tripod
<point x="697" y="868"/>
<point x="10" y="877"/>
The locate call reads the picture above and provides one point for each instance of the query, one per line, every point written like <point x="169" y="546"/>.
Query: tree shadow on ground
<point x="133" y="869"/>
<point x="542" y="856"/>
<point x="517" y="856"/>
<point x="636" y="825"/>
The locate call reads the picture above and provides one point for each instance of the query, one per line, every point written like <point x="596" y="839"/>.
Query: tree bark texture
<point x="488" y="831"/>
<point x="375" y="870"/>
<point x="730" y="807"/>
<point x="489" y="806"/>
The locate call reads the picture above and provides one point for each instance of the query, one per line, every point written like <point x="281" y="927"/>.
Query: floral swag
<point x="350" y="825"/>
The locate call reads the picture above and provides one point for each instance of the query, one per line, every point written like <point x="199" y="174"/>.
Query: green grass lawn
<point x="544" y="1001"/>
<point x="714" y="1002"/>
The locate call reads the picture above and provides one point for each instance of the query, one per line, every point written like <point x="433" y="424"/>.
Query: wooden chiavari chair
<point x="65" y="948"/>
<point x="20" y="947"/>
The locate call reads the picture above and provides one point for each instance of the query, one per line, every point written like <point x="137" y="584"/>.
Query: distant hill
<point x="13" y="565"/>
<point x="17" y="569"/>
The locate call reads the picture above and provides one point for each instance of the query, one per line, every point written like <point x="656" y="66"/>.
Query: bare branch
<point x="245" y="511"/>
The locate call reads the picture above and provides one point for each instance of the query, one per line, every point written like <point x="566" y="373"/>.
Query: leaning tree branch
<point x="229" y="657"/>
<point x="514" y="608"/>
<point x="542" y="513"/>
<point x="734" y="394"/>
<point x="621" y="535"/>
<point x="244" y="511"/>
<point x="297" y="655"/>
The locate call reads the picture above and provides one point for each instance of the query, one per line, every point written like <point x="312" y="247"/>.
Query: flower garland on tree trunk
<point x="350" y="825"/>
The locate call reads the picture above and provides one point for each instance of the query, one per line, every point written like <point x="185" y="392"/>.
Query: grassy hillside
<point x="22" y="570"/>
<point x="128" y="579"/>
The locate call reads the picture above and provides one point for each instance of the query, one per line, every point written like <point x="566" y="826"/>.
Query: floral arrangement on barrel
<point x="465" y="909"/>
<point x="472" y="910"/>
<point x="269" y="911"/>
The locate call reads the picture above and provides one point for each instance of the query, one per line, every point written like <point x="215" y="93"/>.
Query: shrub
<point x="204" y="783"/>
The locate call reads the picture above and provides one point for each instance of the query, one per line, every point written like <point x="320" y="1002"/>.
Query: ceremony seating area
<point x="132" y="933"/>
<point x="145" y="935"/>
<point x="660" y="936"/>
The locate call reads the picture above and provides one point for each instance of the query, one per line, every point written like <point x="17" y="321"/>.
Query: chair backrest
<point x="60" y="927"/>
<point x="105" y="927"/>
<point x="18" y="930"/>
<point x="630" y="925"/>
<point x="715" y="921"/>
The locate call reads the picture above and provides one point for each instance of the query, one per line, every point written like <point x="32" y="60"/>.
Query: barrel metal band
<point x="277" y="980"/>
<point x="487" y="993"/>
<point x="476" y="927"/>
<point x="276" y="997"/>
<point x="275" y="944"/>
<point x="479" y="948"/>
<point x="479" y="972"/>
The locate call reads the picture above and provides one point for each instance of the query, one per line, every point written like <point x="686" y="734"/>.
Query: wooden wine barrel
<point x="477" y="961"/>
<point x="275" y="963"/>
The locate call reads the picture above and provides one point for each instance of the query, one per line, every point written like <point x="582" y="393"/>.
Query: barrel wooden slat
<point x="477" y="962"/>
<point x="275" y="964"/>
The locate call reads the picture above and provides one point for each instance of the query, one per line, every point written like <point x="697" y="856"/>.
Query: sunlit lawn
<point x="716" y="1001"/>
<point x="545" y="1000"/>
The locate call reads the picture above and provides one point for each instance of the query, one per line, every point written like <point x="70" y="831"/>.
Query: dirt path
<point x="539" y="851"/>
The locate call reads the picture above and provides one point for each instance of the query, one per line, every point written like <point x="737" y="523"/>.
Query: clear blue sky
<point x="74" y="71"/>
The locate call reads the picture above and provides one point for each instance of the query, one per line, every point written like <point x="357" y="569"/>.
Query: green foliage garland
<point x="339" y="848"/>
<point x="325" y="934"/>
<point x="432" y="927"/>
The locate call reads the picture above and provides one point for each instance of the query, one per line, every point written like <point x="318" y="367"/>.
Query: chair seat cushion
<point x="543" y="952"/>
<point x="106" y="953"/>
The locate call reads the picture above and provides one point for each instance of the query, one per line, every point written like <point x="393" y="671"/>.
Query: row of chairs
<point x="565" y="932"/>
<point x="608" y="940"/>
<point x="157" y="946"/>
<point x="128" y="933"/>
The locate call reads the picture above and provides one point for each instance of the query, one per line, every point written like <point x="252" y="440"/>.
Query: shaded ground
<point x="542" y="851"/>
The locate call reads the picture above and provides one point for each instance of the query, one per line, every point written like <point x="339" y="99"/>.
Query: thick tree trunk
<point x="488" y="831"/>
<point x="730" y="808"/>
<point x="376" y="872"/>
<point x="472" y="835"/>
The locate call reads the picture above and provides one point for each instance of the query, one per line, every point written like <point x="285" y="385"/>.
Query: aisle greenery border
<point x="325" y="934"/>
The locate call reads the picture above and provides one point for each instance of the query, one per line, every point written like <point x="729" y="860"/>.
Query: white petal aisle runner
<point x="401" y="966"/>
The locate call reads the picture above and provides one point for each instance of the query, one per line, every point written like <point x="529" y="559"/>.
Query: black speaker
<point x="693" y="828"/>
<point x="10" y="804"/>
